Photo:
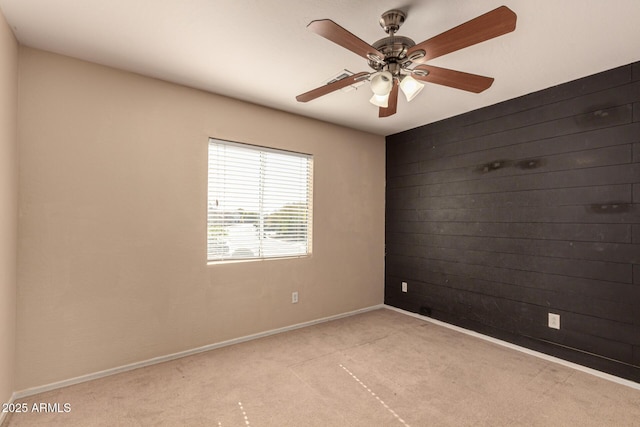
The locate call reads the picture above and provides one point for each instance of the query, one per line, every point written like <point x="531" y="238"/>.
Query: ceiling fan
<point x="398" y="62"/>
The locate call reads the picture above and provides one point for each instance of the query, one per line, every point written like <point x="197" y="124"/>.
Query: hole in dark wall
<point x="492" y="166"/>
<point x="610" y="208"/>
<point x="530" y="164"/>
<point x="599" y="115"/>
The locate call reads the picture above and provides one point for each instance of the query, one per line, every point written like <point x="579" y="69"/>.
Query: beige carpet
<point x="380" y="368"/>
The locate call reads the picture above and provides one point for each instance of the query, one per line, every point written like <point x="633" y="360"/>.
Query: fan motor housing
<point x="393" y="50"/>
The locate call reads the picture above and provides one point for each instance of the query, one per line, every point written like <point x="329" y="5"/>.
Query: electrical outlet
<point x="554" y="321"/>
<point x="294" y="297"/>
<point x="404" y="286"/>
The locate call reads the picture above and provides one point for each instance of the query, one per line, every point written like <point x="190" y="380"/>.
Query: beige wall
<point x="112" y="251"/>
<point x="8" y="206"/>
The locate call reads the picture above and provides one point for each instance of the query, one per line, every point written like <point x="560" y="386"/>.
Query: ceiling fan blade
<point x="455" y="79"/>
<point x="328" y="88"/>
<point x="334" y="32"/>
<point x="492" y="24"/>
<point x="393" y="102"/>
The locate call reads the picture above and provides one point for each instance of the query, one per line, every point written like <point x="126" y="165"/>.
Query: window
<point x="259" y="202"/>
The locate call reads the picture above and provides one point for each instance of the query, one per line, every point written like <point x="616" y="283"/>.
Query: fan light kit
<point x="398" y="62"/>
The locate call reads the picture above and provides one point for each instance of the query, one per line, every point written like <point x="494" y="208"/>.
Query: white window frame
<point x="259" y="202"/>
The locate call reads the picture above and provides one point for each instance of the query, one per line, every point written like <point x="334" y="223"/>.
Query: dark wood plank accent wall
<point x="500" y="216"/>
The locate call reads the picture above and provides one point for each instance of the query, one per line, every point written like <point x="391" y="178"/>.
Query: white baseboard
<point x="553" y="359"/>
<point x="181" y="354"/>
<point x="4" y="415"/>
<point x="166" y="358"/>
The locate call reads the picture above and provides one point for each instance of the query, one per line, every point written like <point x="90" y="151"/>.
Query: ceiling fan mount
<point x="392" y="20"/>
<point x="398" y="62"/>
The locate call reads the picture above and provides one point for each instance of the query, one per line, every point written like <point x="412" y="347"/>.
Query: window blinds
<point x="259" y="202"/>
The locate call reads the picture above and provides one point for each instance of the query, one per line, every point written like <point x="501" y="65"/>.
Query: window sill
<point x="245" y="260"/>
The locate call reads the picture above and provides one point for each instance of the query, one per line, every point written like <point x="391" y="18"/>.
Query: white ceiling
<point x="260" y="51"/>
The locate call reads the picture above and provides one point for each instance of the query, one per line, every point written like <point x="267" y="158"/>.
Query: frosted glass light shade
<point x="381" y="83"/>
<point x="380" y="100"/>
<point x="410" y="87"/>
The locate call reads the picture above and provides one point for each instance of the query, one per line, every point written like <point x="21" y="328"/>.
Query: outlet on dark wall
<point x="501" y="215"/>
